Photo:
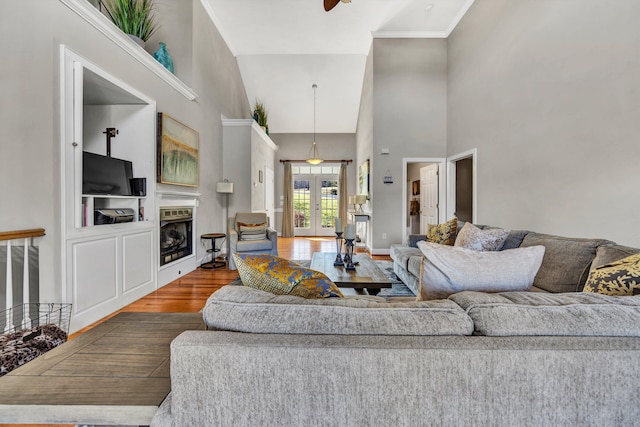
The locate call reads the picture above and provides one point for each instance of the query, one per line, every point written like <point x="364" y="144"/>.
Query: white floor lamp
<point x="226" y="187"/>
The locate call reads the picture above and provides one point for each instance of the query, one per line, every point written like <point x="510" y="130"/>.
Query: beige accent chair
<point x="268" y="245"/>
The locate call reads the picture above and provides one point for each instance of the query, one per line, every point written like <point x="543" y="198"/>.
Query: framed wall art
<point x="178" y="152"/>
<point x="363" y="178"/>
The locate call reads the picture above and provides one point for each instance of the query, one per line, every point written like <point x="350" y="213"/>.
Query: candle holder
<point x="348" y="257"/>
<point x="338" y="262"/>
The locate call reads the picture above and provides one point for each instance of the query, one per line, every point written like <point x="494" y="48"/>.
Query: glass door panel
<point x="315" y="205"/>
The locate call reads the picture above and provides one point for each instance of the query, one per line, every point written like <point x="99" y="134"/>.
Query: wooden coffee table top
<point x="366" y="275"/>
<point x="115" y="373"/>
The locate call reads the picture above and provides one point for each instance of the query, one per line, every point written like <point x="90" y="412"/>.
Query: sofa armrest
<point x="415" y="238"/>
<point x="233" y="238"/>
<point x="272" y="235"/>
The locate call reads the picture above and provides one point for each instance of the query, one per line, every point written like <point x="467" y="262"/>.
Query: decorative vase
<point x="163" y="57"/>
<point x="137" y="39"/>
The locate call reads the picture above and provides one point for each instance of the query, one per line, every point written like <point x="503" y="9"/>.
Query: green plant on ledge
<point x="134" y="17"/>
<point x="260" y="114"/>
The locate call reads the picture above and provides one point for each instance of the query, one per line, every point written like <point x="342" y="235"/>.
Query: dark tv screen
<point x="105" y="175"/>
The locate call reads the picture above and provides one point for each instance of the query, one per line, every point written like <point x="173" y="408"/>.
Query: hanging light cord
<point x="314" y="86"/>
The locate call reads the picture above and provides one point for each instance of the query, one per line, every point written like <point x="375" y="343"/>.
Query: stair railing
<point x="10" y="239"/>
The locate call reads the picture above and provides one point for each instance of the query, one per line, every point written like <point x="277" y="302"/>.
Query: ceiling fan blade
<point x="330" y="4"/>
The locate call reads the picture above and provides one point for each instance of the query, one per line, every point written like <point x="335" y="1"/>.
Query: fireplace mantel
<point x="185" y="195"/>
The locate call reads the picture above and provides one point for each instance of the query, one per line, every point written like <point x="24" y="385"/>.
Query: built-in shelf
<point x="101" y="23"/>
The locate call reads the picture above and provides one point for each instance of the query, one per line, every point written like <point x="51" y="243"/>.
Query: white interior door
<point x="269" y="195"/>
<point x="428" y="196"/>
<point x="315" y="204"/>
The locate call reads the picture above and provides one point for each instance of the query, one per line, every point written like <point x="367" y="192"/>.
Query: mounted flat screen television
<point x="105" y="175"/>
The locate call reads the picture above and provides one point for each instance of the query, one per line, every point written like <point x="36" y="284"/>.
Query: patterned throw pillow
<point x="617" y="278"/>
<point x="471" y="237"/>
<point x="444" y="234"/>
<point x="252" y="231"/>
<point x="283" y="277"/>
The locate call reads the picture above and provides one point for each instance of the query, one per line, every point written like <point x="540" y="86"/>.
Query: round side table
<point x="213" y="250"/>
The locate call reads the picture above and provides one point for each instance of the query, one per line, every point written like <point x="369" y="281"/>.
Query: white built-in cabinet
<point x="108" y="266"/>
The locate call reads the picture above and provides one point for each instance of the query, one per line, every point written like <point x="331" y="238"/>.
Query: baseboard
<point x="384" y="251"/>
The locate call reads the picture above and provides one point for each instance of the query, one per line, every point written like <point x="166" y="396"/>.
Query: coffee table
<point x="367" y="274"/>
<point x="117" y="373"/>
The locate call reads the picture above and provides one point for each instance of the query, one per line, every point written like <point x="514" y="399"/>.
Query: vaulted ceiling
<point x="283" y="47"/>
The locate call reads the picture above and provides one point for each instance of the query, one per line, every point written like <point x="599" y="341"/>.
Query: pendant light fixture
<point x="313" y="157"/>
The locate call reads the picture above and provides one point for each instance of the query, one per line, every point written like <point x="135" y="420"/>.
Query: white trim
<point x="101" y="23"/>
<point x="409" y="34"/>
<point x="442" y="187"/>
<point x="459" y="16"/>
<point x="424" y="34"/>
<point x="451" y="179"/>
<point x="216" y="22"/>
<point x="254" y="126"/>
<point x="263" y="135"/>
<point x="235" y="122"/>
<point x="385" y="251"/>
<point x="177" y="194"/>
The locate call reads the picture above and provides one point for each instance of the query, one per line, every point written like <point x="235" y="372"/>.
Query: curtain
<point x="287" y="213"/>
<point x="342" y="194"/>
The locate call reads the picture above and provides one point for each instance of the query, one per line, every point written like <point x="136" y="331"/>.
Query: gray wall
<point x="29" y="81"/>
<point x="337" y="146"/>
<point x="409" y="118"/>
<point x="364" y="129"/>
<point x="547" y="91"/>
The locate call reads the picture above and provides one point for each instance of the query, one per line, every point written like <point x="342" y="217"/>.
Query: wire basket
<point x="35" y="314"/>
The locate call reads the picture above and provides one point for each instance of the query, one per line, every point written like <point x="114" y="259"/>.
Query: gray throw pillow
<point x="449" y="269"/>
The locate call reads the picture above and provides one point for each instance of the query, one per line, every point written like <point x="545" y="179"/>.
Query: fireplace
<point x="176" y="239"/>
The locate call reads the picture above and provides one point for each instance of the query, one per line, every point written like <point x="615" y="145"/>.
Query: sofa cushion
<point x="471" y="237"/>
<point x="243" y="309"/>
<point x="444" y="234"/>
<point x="534" y="313"/>
<point x="283" y="277"/>
<point x="566" y="261"/>
<point x="607" y="254"/>
<point x="617" y="278"/>
<point x="401" y="254"/>
<point x="449" y="269"/>
<point x="415" y="264"/>
<point x="254" y="245"/>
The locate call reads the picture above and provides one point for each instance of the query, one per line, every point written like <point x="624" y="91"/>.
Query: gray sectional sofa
<point x="565" y="267"/>
<point x="518" y="358"/>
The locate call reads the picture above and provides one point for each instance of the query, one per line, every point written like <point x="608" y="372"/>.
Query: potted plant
<point x="260" y="115"/>
<point x="136" y="18"/>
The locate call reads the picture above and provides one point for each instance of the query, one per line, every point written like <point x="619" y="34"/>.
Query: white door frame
<point x="442" y="202"/>
<point x="315" y="184"/>
<point x="451" y="179"/>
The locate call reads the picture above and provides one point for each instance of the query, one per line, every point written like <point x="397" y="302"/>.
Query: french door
<point x="315" y="204"/>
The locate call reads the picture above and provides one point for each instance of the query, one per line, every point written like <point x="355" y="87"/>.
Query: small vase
<point x="163" y="57"/>
<point x="137" y="39"/>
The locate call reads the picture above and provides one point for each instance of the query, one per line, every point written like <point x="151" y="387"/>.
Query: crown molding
<point x="459" y="16"/>
<point x="409" y="34"/>
<point x="100" y="22"/>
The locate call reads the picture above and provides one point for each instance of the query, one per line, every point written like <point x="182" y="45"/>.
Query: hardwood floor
<point x="190" y="292"/>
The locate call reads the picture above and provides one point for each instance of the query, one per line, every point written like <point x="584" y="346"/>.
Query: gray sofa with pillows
<point x="483" y="359"/>
<point x="565" y="267"/>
